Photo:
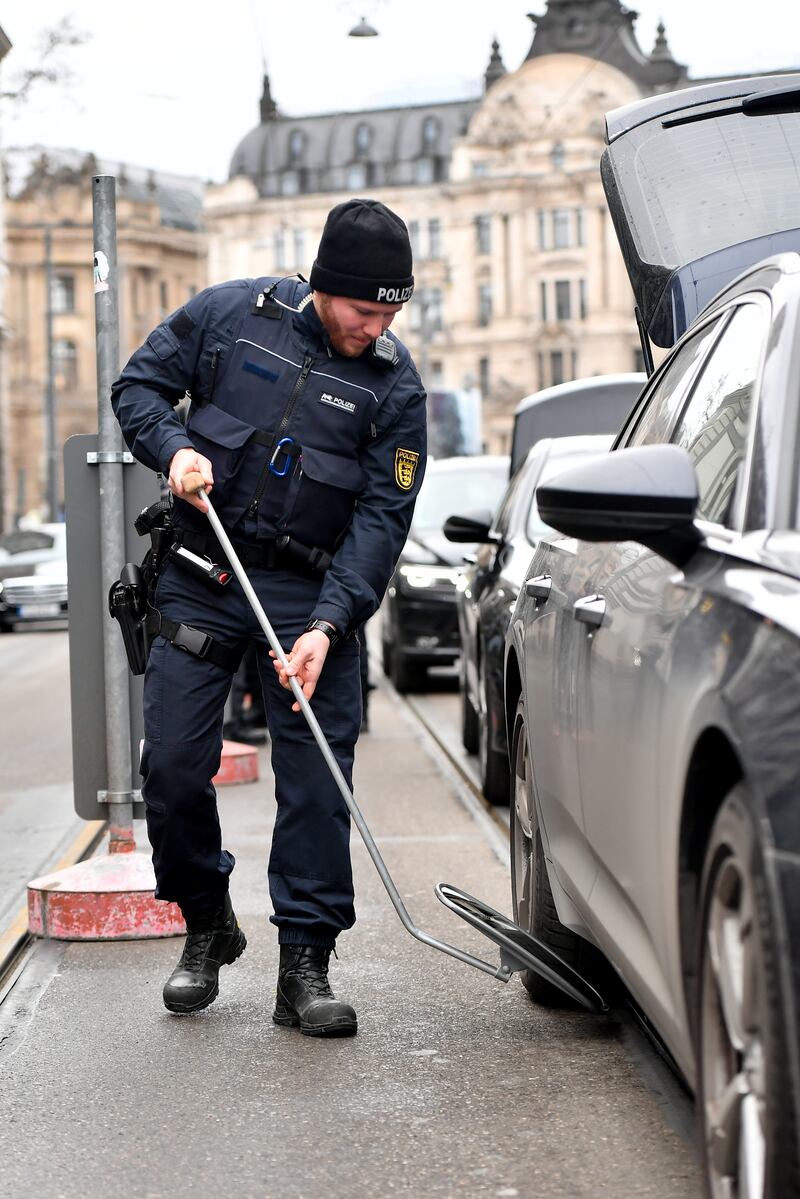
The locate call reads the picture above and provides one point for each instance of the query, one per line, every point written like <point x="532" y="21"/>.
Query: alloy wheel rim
<point x="734" y="1083"/>
<point x="522" y="835"/>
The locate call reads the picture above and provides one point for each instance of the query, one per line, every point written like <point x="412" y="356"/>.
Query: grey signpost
<point x="104" y="491"/>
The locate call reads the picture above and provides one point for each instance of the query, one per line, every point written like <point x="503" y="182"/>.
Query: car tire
<point x="406" y="674"/>
<point x="469" y="716"/>
<point x="493" y="766"/>
<point x="532" y="899"/>
<point x="746" y="1103"/>
<point x="6" y="628"/>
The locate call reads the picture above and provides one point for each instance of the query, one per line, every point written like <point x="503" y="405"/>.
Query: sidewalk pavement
<point x="455" y="1085"/>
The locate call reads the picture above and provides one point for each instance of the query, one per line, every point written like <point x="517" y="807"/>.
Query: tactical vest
<point x="283" y="422"/>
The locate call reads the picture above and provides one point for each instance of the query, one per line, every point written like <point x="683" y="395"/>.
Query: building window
<point x="580" y="227"/>
<point x="436" y="372"/>
<point x="484" y="304"/>
<point x="543" y="243"/>
<point x="582" y="300"/>
<point x="363" y="138"/>
<point x="560" y="229"/>
<point x="434" y="238"/>
<point x="279" y="249"/>
<point x="425" y="311"/>
<point x="62" y="294"/>
<point x="297" y="143"/>
<point x="430" y="133"/>
<point x="483" y="234"/>
<point x="540" y="362"/>
<point x="163" y="295"/>
<point x="424" y="170"/>
<point x="290" y="183"/>
<point x="356" y="175"/>
<point x="543" y="301"/>
<point x="299" y="247"/>
<point x="638" y="361"/>
<point x="413" y="237"/>
<point x="480" y="170"/>
<point x="563" y="306"/>
<point x="65" y="364"/>
<point x="557" y="156"/>
<point x="574" y="364"/>
<point x="484" y="377"/>
<point x="556" y="367"/>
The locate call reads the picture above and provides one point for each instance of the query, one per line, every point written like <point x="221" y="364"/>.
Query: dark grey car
<point x="653" y="658"/>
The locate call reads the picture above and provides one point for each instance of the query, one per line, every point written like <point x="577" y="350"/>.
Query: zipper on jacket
<point x="214" y="365"/>
<point x="281" y="431"/>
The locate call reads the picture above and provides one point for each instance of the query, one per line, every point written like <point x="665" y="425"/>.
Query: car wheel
<point x="532" y="899"/>
<point x="469" y="717"/>
<point x="6" y="628"/>
<point x="493" y="766"/>
<point x="746" y="1105"/>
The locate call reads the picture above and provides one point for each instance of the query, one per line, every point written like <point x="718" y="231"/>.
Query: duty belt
<point x="281" y="551"/>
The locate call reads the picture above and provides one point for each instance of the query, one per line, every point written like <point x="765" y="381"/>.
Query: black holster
<point x="127" y="603"/>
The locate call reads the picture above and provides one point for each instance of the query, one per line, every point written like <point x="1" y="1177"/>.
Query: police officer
<point x="307" y="423"/>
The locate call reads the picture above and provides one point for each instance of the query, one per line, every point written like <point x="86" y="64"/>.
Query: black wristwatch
<point x="327" y="628"/>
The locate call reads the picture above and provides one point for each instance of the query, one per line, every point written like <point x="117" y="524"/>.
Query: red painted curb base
<point x="107" y="898"/>
<point x="239" y="764"/>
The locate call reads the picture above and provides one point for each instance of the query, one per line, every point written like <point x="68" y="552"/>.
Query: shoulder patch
<point x="405" y="468"/>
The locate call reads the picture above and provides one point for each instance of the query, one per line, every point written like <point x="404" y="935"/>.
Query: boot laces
<point x="314" y="973"/>
<point x="195" y="949"/>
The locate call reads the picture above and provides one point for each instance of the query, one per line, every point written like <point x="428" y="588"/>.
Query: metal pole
<point x="119" y="795"/>
<point x="50" y="390"/>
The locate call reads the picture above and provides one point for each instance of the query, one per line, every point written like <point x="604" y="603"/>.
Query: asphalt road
<point x="455" y="1086"/>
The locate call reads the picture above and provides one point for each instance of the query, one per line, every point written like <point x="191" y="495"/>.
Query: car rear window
<point x="690" y="190"/>
<point x="445" y="493"/>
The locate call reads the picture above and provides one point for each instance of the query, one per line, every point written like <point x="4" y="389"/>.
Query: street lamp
<point x="363" y="29"/>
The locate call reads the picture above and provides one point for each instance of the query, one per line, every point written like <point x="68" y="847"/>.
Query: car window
<point x="21" y="541"/>
<point x="506" y="507"/>
<point x="714" y="425"/>
<point x="664" y="402"/>
<point x="556" y="464"/>
<point x="445" y="493"/>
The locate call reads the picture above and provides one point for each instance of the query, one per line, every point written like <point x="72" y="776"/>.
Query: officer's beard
<point x="343" y="342"/>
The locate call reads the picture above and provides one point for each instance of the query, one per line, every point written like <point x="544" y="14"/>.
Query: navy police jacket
<point x="327" y="449"/>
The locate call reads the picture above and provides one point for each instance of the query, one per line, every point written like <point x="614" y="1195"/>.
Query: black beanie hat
<point x="364" y="253"/>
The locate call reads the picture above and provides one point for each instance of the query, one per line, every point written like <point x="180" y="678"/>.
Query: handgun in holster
<point x="127" y="604"/>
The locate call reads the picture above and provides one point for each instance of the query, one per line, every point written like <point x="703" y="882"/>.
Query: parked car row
<point x="645" y="599"/>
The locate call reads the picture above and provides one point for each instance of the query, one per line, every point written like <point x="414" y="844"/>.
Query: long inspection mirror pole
<point x="193" y="484"/>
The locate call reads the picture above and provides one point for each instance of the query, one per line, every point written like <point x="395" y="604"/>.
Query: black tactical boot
<point x="212" y="941"/>
<point x="305" y="997"/>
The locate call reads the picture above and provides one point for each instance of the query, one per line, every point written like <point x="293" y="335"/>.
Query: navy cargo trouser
<point x="310" y="875"/>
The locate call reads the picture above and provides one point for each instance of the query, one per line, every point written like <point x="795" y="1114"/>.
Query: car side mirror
<point x="472" y="527"/>
<point x="646" y="494"/>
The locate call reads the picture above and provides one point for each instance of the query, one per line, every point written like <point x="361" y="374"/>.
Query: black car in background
<point x="419" y="626"/>
<point x="487" y="592"/>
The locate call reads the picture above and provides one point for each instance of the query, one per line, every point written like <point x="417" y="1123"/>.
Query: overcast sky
<point x="175" y="85"/>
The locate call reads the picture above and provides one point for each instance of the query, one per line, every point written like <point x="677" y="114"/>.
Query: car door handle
<point x="539" y="587"/>
<point x="590" y="609"/>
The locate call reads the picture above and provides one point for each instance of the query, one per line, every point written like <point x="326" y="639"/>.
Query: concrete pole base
<point x="106" y="898"/>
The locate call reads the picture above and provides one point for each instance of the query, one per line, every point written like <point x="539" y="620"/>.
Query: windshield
<point x="459" y="492"/>
<point x="691" y="189"/>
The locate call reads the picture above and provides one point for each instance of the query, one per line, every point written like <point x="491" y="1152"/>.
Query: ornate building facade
<point x="519" y="283"/>
<point x="52" y="363"/>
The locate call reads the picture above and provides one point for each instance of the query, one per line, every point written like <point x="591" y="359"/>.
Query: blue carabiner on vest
<point x="284" y="441"/>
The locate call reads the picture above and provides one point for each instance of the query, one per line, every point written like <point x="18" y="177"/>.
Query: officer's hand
<point x="306" y="659"/>
<point x="183" y="461"/>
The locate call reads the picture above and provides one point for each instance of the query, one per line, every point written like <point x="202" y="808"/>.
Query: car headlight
<point x="418" y="577"/>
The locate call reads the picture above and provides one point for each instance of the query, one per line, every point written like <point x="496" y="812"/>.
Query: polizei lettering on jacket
<point x="394" y="295"/>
